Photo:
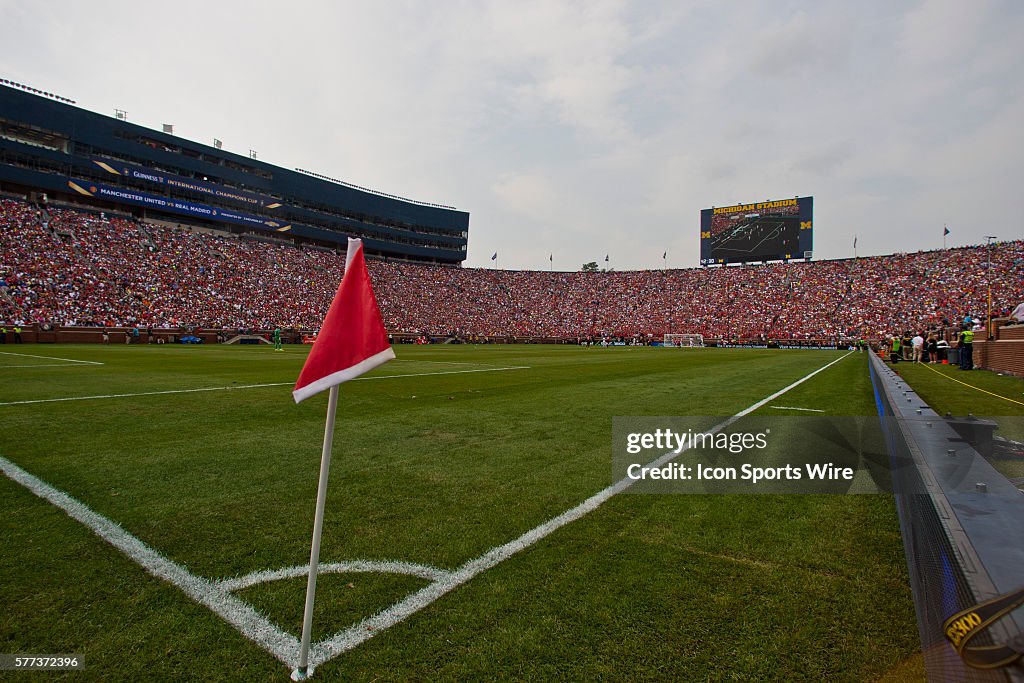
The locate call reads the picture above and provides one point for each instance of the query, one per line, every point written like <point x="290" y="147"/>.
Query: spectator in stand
<point x="115" y="272"/>
<point x="1017" y="315"/>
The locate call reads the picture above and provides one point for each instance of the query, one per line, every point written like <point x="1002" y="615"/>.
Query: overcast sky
<point x="581" y="129"/>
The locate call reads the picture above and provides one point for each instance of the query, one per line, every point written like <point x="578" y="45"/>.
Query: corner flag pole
<point x="352" y="341"/>
<point x="302" y="672"/>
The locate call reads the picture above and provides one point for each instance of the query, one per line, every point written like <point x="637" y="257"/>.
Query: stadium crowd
<point x="65" y="267"/>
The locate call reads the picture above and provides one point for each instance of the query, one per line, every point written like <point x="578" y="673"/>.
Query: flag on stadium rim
<point x="945" y="231"/>
<point x="352" y="339"/>
<point x="494" y="257"/>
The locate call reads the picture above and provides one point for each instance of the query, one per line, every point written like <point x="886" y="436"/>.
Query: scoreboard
<point x="774" y="230"/>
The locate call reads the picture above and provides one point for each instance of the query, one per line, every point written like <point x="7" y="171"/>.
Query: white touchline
<point x="69" y="360"/>
<point x="809" y="410"/>
<point x="217" y="594"/>
<point x="251" y="386"/>
<point x="422" y="571"/>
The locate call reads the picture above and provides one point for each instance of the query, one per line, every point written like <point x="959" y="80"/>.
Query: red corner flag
<point x="352" y="339"/>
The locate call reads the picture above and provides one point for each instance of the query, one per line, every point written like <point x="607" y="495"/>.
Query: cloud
<point x="579" y="128"/>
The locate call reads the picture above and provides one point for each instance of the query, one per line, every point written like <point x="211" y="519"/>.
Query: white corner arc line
<point x="248" y="386"/>
<point x="69" y="360"/>
<point x="421" y="571"/>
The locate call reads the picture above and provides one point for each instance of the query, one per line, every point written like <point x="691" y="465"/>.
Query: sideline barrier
<point x="963" y="529"/>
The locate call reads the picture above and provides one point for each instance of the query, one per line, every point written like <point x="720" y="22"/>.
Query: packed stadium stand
<point x="52" y="150"/>
<point x="65" y="267"/>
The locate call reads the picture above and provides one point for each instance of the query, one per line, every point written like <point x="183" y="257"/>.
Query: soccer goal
<point x="684" y="341"/>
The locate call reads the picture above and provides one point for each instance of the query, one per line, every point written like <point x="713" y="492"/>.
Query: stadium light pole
<point x="988" y="282"/>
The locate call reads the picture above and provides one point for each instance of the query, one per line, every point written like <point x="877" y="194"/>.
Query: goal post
<point x="684" y="341"/>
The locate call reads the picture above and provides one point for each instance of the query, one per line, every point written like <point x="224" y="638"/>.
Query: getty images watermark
<point x="754" y="454"/>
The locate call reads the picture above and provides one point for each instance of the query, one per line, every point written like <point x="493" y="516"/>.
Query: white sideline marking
<point x="249" y="386"/>
<point x="285" y="647"/>
<point x="809" y="410"/>
<point x="29" y="355"/>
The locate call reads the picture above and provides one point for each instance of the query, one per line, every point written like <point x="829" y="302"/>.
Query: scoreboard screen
<point x="778" y="230"/>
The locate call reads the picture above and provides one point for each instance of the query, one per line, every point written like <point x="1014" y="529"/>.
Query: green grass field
<point x="439" y="457"/>
<point x="982" y="393"/>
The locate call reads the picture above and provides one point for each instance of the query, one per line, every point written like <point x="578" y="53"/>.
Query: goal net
<point x="684" y="340"/>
